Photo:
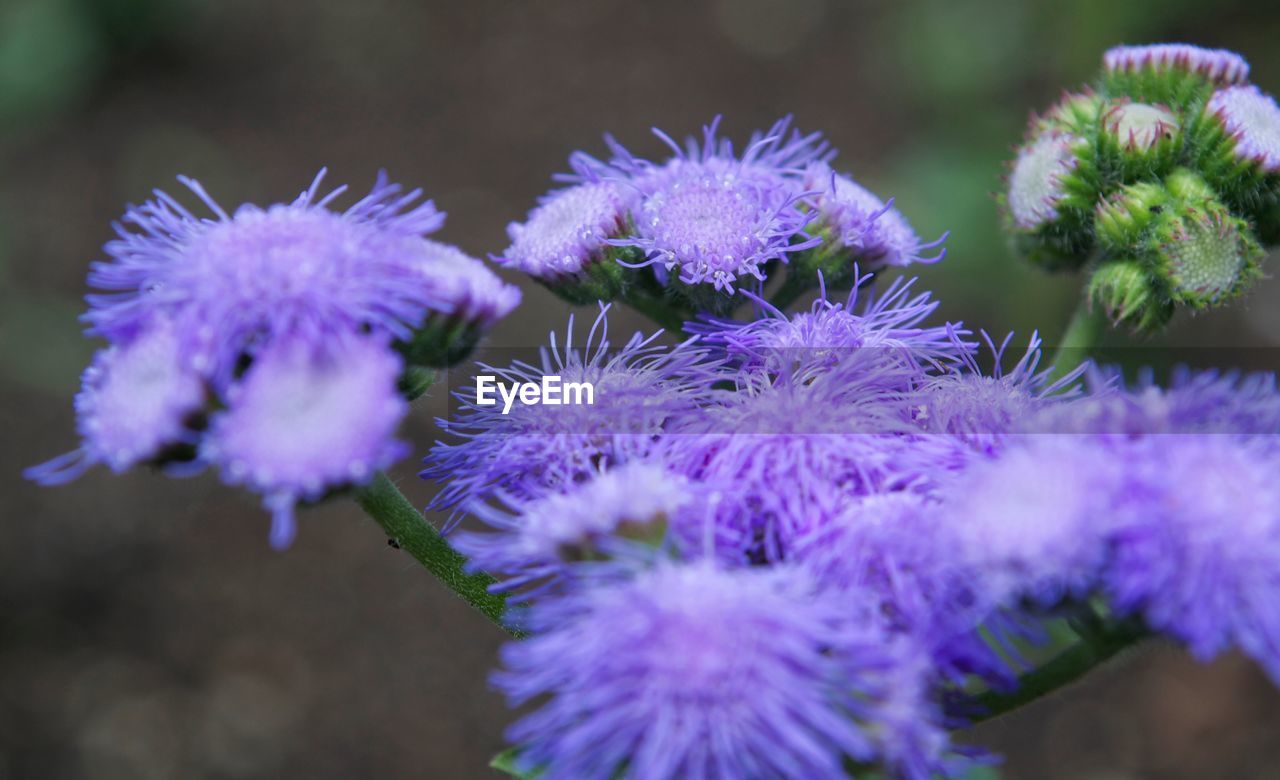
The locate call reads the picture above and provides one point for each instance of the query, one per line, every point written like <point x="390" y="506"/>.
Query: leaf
<point x="506" y="762"/>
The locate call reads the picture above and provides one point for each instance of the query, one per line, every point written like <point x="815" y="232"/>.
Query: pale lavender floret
<point x="873" y="229"/>
<point x="1036" y="187"/>
<point x="136" y="401"/>
<point x="568" y="230"/>
<point x="462" y="287"/>
<point x="1198" y="554"/>
<point x="1033" y="523"/>
<point x="306" y="419"/>
<point x="537" y="543"/>
<point x="299" y="270"/>
<point x="1252" y="119"/>
<point x="1218" y="65"/>
<point x="888" y="323"/>
<point x="690" y="671"/>
<point x="709" y="216"/>
<point x="638" y="388"/>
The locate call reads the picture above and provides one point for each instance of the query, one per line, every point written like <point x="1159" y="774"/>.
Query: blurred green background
<point x="145" y="628"/>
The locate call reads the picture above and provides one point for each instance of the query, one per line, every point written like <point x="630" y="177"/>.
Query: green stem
<point x="408" y="530"/>
<point x="787" y="294"/>
<point x="1095" y="647"/>
<point x="1083" y="333"/>
<point x="657" y="310"/>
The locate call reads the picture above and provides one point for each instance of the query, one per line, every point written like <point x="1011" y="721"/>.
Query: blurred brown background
<point x="145" y="628"/>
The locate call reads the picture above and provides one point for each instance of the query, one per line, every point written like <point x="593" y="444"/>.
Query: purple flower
<point x="1036" y="184"/>
<point x="1218" y="65"/>
<point x="299" y="270"/>
<point x="829" y="332"/>
<point x="307" y="419"/>
<point x="709" y="216"/>
<point x="638" y="389"/>
<point x="462" y="288"/>
<point x="538" y="542"/>
<point x="281" y="328"/>
<point x="568" y="230"/>
<point x="878" y="234"/>
<point x="1252" y="119"/>
<point x="1198" y="553"/>
<point x="691" y="671"/>
<point x="137" y="400"/>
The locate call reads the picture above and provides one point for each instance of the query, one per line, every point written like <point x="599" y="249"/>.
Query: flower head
<point x="568" y="230"/>
<point x="710" y="216"/>
<point x="1034" y="522"/>
<point x="693" y="671"/>
<point x="304" y="421"/>
<point x="1252" y="119"/>
<point x="878" y="234"/>
<point x="1218" y="65"/>
<point x="638" y="388"/>
<point x="1198" y="552"/>
<point x="462" y="288"/>
<point x="1036" y="184"/>
<point x="137" y="400"/>
<point x="298" y="270"/>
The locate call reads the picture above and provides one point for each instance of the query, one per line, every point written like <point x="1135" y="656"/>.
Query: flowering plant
<point x="805" y="544"/>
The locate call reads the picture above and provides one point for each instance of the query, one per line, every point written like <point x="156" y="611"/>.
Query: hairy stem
<point x="1096" y="646"/>
<point x="407" y="529"/>
<point x="1083" y="333"/>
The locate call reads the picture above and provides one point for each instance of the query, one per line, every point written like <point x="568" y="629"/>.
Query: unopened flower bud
<point x="1125" y="291"/>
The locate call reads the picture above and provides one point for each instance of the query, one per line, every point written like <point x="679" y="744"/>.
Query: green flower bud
<point x="1138" y="139"/>
<point x="1122" y="220"/>
<point x="1125" y="290"/>
<point x="1205" y="254"/>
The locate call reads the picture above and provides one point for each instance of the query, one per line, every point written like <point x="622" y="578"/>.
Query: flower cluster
<point x="1163" y="178"/>
<point x="708" y="221"/>
<point x="820" y="530"/>
<point x="271" y="343"/>
<point x="691" y="536"/>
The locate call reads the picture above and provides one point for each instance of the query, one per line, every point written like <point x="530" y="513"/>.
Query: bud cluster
<point x="1162" y="180"/>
